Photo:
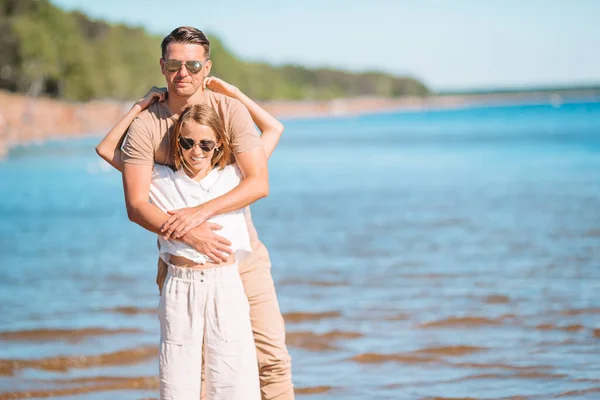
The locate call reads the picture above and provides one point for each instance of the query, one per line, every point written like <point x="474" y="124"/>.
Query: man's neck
<point x="177" y="104"/>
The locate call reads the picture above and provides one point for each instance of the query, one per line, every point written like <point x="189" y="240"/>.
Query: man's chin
<point x="184" y="92"/>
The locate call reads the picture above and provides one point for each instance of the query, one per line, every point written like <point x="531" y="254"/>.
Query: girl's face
<point x="198" y="144"/>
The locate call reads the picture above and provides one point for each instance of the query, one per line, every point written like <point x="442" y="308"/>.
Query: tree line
<point x="46" y="50"/>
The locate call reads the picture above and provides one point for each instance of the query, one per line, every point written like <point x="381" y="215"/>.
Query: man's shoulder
<point x="154" y="115"/>
<point x="221" y="101"/>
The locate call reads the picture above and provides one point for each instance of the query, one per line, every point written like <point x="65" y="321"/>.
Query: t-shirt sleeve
<point x="138" y="145"/>
<point x="232" y="174"/>
<point x="244" y="135"/>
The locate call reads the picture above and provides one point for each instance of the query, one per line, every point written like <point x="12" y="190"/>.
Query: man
<point x="185" y="63"/>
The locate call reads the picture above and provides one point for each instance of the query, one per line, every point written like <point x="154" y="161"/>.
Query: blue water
<point x="425" y="230"/>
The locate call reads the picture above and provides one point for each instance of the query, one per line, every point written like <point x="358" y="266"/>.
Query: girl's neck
<point x="197" y="175"/>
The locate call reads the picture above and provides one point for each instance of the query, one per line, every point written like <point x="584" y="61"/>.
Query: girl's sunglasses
<point x="193" y="66"/>
<point x="188" y="143"/>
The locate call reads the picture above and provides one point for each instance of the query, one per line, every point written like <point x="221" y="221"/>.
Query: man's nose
<point x="183" y="72"/>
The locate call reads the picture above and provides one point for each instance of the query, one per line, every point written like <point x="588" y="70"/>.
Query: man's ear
<point x="162" y="66"/>
<point x="208" y="66"/>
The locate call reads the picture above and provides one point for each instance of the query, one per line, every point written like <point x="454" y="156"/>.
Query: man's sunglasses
<point x="193" y="67"/>
<point x="188" y="143"/>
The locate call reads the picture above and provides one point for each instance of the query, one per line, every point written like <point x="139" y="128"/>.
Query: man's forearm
<point x="136" y="186"/>
<point x="249" y="190"/>
<point x="147" y="215"/>
<point x="150" y="217"/>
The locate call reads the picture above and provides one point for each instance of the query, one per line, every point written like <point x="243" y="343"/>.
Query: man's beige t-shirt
<point x="148" y="138"/>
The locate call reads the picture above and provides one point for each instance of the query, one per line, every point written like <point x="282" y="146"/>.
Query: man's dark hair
<point x="185" y="35"/>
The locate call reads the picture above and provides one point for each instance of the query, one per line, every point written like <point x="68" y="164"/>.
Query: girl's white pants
<point x="206" y="307"/>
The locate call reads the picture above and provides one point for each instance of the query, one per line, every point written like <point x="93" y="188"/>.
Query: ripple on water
<point x="70" y="335"/>
<point x="581" y="311"/>
<point x="312" y="390"/>
<point x="80" y="386"/>
<point x="566" y="328"/>
<point x="131" y="310"/>
<point x="497" y="299"/>
<point x="64" y="363"/>
<point x="319" y="341"/>
<point x="294" y="317"/>
<point x="462" y="322"/>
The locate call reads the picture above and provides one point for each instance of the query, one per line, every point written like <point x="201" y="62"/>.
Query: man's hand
<point x="203" y="239"/>
<point x="182" y="221"/>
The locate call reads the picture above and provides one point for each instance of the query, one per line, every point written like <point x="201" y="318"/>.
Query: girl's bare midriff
<point x="183" y="262"/>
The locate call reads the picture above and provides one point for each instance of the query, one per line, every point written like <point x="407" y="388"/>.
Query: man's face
<point x="183" y="82"/>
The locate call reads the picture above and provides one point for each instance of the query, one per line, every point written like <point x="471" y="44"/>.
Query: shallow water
<point x="444" y="254"/>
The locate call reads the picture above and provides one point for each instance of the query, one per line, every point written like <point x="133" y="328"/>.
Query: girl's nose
<point x="196" y="151"/>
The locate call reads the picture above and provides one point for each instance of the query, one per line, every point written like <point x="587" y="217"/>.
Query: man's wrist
<point x="185" y="239"/>
<point x="205" y="212"/>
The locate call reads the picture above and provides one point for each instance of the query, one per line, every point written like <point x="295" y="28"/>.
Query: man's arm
<point x="254" y="186"/>
<point x="136" y="185"/>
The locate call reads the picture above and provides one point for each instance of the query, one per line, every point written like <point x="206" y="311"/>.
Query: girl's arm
<point x="110" y="147"/>
<point x="270" y="127"/>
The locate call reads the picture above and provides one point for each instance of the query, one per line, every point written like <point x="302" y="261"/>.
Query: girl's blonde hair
<point x="203" y="115"/>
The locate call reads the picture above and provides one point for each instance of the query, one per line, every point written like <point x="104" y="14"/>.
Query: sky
<point x="450" y="45"/>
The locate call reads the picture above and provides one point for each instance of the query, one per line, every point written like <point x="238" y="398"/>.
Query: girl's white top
<point x="171" y="190"/>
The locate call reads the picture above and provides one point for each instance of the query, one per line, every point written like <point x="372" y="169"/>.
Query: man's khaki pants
<point x="274" y="361"/>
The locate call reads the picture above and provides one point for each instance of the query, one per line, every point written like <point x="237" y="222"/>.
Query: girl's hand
<point x="220" y="86"/>
<point x="153" y="95"/>
<point x="182" y="221"/>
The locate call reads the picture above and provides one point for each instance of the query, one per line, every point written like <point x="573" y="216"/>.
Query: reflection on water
<point x="443" y="255"/>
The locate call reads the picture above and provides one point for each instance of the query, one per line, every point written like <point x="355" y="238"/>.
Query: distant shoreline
<point x="25" y="119"/>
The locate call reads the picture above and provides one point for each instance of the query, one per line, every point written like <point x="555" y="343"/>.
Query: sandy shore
<point x="25" y="119"/>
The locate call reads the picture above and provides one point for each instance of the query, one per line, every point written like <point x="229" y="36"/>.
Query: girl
<point x="201" y="304"/>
